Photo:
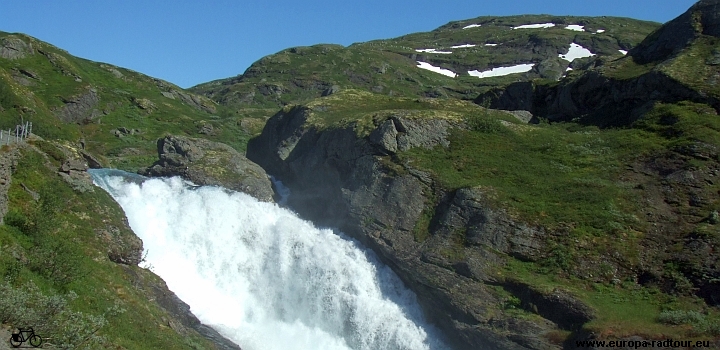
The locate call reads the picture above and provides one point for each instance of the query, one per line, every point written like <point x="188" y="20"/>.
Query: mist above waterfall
<point x="263" y="277"/>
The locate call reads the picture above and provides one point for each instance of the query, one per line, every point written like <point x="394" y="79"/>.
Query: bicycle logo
<point x="22" y="335"/>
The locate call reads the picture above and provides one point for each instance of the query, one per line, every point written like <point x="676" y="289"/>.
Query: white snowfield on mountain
<point x="576" y="51"/>
<point x="500" y="71"/>
<point x="430" y="67"/>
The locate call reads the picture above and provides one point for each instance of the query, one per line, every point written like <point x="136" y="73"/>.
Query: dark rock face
<point x="340" y="180"/>
<point x="594" y="98"/>
<point x="668" y="40"/>
<point x="80" y="108"/>
<point x="210" y="163"/>
<point x="469" y="211"/>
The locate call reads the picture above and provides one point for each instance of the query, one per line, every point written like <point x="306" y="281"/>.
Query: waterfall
<point x="262" y="277"/>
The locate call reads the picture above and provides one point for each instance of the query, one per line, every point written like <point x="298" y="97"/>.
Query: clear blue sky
<point x="191" y="42"/>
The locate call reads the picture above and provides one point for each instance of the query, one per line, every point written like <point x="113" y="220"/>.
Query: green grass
<point x="389" y="66"/>
<point x="53" y="243"/>
<point x="546" y="174"/>
<point x="624" y="309"/>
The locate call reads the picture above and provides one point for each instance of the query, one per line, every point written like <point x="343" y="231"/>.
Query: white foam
<point x="576" y="51"/>
<point x="491" y="44"/>
<point x="576" y="27"/>
<point x="430" y="67"/>
<point x="462" y="46"/>
<point x="623" y="52"/>
<point x="500" y="71"/>
<point x="264" y="278"/>
<point x="472" y="26"/>
<point x="600" y="31"/>
<point x="433" y="51"/>
<point x="534" y="26"/>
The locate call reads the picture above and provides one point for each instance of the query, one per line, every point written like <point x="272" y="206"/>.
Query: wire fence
<point x="19" y="134"/>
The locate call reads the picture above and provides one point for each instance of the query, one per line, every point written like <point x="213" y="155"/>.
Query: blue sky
<point x="191" y="42"/>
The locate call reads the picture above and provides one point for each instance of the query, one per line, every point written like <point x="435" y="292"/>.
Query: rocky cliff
<point x="476" y="210"/>
<point x="344" y="180"/>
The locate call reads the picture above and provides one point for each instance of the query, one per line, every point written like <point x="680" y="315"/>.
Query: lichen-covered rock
<point x="210" y="163"/>
<point x="80" y="108"/>
<point x="13" y="48"/>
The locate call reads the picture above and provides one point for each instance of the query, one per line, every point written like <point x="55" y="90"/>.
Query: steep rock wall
<point x="342" y="180"/>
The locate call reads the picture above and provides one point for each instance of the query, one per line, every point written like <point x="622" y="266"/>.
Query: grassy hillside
<point x="117" y="113"/>
<point x="389" y="67"/>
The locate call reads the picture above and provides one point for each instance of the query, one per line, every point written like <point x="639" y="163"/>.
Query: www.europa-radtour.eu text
<point x="639" y="344"/>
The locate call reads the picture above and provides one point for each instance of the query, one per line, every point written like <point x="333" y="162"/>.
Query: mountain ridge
<point x="513" y="235"/>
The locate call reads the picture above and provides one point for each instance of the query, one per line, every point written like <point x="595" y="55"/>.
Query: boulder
<point x="210" y="163"/>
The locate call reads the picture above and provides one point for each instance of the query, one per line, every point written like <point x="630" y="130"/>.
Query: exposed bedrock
<point x="343" y="180"/>
<point x="210" y="163"/>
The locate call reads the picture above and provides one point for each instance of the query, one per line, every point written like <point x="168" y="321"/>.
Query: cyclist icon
<point x="21" y="335"/>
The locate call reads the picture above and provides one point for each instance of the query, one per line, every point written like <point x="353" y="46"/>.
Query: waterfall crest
<point x="264" y="278"/>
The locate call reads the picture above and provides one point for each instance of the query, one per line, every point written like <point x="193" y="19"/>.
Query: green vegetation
<point x="549" y="174"/>
<point x="105" y="99"/>
<point x="56" y="275"/>
<point x="389" y="67"/>
<point x="623" y="309"/>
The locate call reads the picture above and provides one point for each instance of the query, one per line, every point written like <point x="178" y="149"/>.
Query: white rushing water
<point x="262" y="277"/>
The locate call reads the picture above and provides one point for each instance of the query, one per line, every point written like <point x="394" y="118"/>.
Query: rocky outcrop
<point x="670" y="39"/>
<point x="173" y="92"/>
<point x="210" y="163"/>
<point x="594" y="98"/>
<point x="80" y="108"/>
<point x="14" y="48"/>
<point x="444" y="244"/>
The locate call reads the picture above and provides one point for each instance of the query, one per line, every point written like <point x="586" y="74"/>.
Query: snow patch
<point x="462" y="46"/>
<point x="433" y="51"/>
<point x="623" y="52"/>
<point x="472" y="26"/>
<point x="568" y="69"/>
<point x="490" y="44"/>
<point x="600" y="31"/>
<point x="534" y="26"/>
<point x="576" y="27"/>
<point x="500" y="71"/>
<point x="576" y="51"/>
<point x="430" y="67"/>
